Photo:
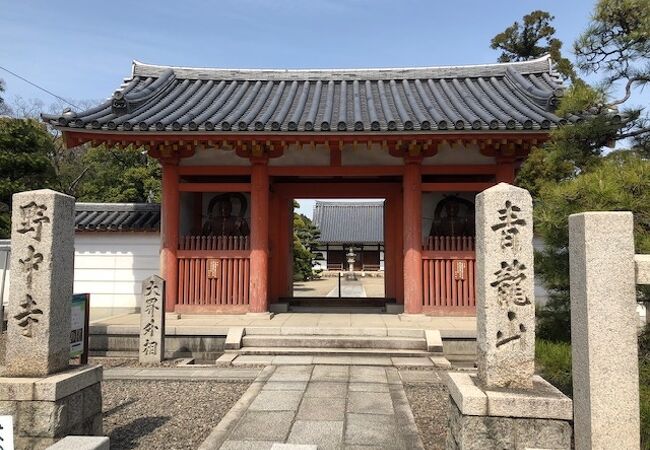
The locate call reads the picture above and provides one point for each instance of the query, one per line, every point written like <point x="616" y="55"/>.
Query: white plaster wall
<point x="458" y="154"/>
<point x="111" y="267"/>
<point x="214" y="156"/>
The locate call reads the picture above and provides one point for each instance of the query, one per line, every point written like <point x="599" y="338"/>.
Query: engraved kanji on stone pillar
<point x="505" y="306"/>
<point x="42" y="258"/>
<point x="152" y="320"/>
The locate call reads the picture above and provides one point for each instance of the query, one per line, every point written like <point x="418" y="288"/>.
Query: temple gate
<point x="237" y="146"/>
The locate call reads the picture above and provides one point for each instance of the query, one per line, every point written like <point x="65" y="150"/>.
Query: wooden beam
<point x="214" y="187"/>
<point x="455" y="187"/>
<point x="214" y="170"/>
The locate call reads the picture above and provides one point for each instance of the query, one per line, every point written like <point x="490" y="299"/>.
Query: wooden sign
<point x="460" y="269"/>
<point x="214" y="268"/>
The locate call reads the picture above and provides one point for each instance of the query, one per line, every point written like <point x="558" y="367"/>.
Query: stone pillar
<point x="47" y="401"/>
<point x="604" y="331"/>
<point x="170" y="231"/>
<point x="42" y="263"/>
<point x="259" y="273"/>
<point x="412" y="191"/>
<point x="505" y="304"/>
<point x="505" y="405"/>
<point x="152" y="320"/>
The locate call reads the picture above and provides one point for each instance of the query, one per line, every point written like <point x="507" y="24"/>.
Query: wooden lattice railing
<point x="213" y="243"/>
<point x="213" y="271"/>
<point x="449" y="273"/>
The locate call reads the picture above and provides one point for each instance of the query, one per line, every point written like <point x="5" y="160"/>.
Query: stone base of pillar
<point x="260" y="315"/>
<point x="47" y="409"/>
<point x="502" y="418"/>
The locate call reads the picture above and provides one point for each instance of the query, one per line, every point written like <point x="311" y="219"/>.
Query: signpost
<point x="79" y="321"/>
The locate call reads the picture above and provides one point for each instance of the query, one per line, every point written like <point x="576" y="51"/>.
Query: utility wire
<point x="41" y="88"/>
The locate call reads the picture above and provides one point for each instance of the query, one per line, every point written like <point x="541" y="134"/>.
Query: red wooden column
<point x="505" y="170"/>
<point x="259" y="282"/>
<point x="170" y="235"/>
<point x="412" y="191"/>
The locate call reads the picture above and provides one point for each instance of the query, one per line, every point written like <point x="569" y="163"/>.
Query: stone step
<point x="336" y="331"/>
<point x="328" y="351"/>
<point x="401" y="362"/>
<point x="335" y="342"/>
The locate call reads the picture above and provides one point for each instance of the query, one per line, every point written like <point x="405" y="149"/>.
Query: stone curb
<point x="403" y="414"/>
<point x="220" y="433"/>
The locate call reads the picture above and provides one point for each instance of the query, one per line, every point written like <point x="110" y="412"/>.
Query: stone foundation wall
<point x="504" y="433"/>
<point x="38" y="424"/>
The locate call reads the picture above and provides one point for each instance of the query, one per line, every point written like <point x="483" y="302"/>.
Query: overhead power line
<point x="41" y="88"/>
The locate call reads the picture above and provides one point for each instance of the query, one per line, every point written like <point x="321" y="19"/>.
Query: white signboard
<point x="77" y="322"/>
<point x="6" y="433"/>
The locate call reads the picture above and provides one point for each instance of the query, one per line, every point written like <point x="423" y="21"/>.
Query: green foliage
<point x="531" y="39"/>
<point x="25" y="148"/>
<point x="620" y="182"/>
<point x="118" y="175"/>
<point x="553" y="362"/>
<point x="644" y="385"/>
<point x="305" y="236"/>
<point x="617" y="40"/>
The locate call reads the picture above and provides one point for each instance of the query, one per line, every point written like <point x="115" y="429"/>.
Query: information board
<point x="79" y="326"/>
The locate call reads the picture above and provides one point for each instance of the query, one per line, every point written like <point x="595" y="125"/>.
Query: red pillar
<point x="169" y="244"/>
<point x="259" y="283"/>
<point x="505" y="170"/>
<point x="412" y="191"/>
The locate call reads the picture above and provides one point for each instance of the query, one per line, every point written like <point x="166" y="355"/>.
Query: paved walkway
<point x="332" y="407"/>
<point x="189" y="324"/>
<point x="349" y="288"/>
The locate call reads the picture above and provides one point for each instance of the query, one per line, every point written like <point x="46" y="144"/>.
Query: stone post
<point x="604" y="331"/>
<point x="505" y="405"/>
<point x="47" y="401"/>
<point x="42" y="263"/>
<point x="505" y="306"/>
<point x="152" y="320"/>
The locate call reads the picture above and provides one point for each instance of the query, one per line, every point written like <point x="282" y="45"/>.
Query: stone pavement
<point x="332" y="407"/>
<point x="189" y="324"/>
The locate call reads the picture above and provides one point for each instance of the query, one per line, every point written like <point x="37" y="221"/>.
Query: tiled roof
<point x="117" y="217"/>
<point x="350" y="222"/>
<point x="505" y="96"/>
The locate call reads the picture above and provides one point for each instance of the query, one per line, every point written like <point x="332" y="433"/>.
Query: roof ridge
<point x="135" y="63"/>
<point x="542" y="64"/>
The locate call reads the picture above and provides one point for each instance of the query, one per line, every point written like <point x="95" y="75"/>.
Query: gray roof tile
<point x="117" y="217"/>
<point x="513" y="96"/>
<point x="350" y="222"/>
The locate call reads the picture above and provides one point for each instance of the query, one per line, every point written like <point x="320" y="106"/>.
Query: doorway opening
<point x="338" y="251"/>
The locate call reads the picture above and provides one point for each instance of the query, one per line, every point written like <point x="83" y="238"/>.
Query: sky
<point x="82" y="50"/>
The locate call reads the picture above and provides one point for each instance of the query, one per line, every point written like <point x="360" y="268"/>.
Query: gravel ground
<point x="170" y="415"/>
<point x="430" y="403"/>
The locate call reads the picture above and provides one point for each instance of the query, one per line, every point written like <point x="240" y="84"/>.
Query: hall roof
<point x="350" y="222"/>
<point x="487" y="97"/>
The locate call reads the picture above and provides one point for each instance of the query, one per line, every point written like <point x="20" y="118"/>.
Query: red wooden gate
<point x="449" y="275"/>
<point x="213" y="273"/>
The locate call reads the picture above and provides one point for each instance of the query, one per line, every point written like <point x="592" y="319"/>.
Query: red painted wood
<point x="455" y="187"/>
<point x="214" y="187"/>
<point x="259" y="289"/>
<point x="170" y="232"/>
<point x="441" y="291"/>
<point x="412" y="191"/>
